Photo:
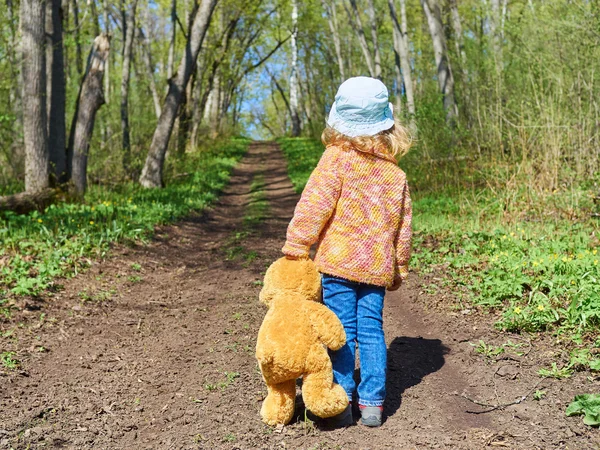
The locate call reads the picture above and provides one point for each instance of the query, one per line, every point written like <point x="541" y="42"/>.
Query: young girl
<point x="356" y="207"/>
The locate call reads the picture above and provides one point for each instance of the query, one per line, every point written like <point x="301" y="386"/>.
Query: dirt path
<point x="154" y="349"/>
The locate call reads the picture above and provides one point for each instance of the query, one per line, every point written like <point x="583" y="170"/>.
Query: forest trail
<point x="153" y="348"/>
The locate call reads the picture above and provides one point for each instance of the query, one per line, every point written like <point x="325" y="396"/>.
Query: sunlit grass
<point x="537" y="268"/>
<point x="37" y="248"/>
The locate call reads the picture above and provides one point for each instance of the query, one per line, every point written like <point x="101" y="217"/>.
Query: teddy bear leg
<point x="278" y="407"/>
<point x="321" y="395"/>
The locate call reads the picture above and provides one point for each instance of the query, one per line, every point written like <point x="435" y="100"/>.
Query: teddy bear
<point x="293" y="341"/>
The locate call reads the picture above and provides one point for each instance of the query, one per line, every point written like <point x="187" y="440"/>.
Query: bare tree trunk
<point x="95" y="18"/>
<point x="89" y="100"/>
<point x="145" y="43"/>
<point x="171" y="60"/>
<point x="78" y="52"/>
<point x="56" y="92"/>
<point x="373" y="23"/>
<point x="401" y="42"/>
<point x="496" y="32"/>
<point x="25" y="202"/>
<point x="333" y="27"/>
<point x="107" y="65"/>
<point x="214" y="106"/>
<point x="128" y="34"/>
<point x="153" y="168"/>
<point x="356" y="24"/>
<point x="460" y="51"/>
<point x="294" y="100"/>
<point x="14" y="98"/>
<point x="444" y="72"/>
<point x="33" y="72"/>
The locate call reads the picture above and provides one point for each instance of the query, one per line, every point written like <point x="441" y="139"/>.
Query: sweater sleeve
<point x="316" y="205"/>
<point x="404" y="236"/>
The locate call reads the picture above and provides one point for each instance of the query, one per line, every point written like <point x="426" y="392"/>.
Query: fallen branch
<point x="26" y="202"/>
<point x="499" y="405"/>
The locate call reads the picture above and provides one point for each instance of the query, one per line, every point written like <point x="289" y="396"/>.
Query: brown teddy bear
<point x="293" y="340"/>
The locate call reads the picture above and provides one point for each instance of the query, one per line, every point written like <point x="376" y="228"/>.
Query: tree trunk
<point x="147" y="55"/>
<point x="373" y="23"/>
<point x="128" y="34"/>
<point x="107" y="64"/>
<point x="460" y="51"/>
<point x="56" y="92"/>
<point x="33" y="72"/>
<point x="444" y="71"/>
<point x="294" y="101"/>
<point x="401" y="40"/>
<point x="153" y="168"/>
<point x="25" y="202"/>
<point x="14" y="96"/>
<point x="333" y="27"/>
<point x="356" y="24"/>
<point x="496" y="32"/>
<point x="78" y="52"/>
<point x="171" y="59"/>
<point x="89" y="100"/>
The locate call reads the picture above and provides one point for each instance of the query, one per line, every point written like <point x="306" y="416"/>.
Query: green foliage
<point x="589" y="406"/>
<point x="542" y="272"/>
<point x="7" y="361"/>
<point x="302" y="157"/>
<point x="256" y="211"/>
<point x="37" y="248"/>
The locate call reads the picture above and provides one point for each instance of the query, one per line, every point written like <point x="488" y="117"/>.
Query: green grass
<point x="533" y="265"/>
<point x="37" y="248"/>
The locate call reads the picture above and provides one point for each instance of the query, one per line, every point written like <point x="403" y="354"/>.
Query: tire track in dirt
<point x="168" y="362"/>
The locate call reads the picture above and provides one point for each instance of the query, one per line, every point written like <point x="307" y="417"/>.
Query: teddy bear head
<point x="286" y="276"/>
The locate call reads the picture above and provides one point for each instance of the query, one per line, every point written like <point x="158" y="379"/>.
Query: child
<point x="356" y="207"/>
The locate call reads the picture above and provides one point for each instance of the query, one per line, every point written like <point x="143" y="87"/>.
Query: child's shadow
<point x="410" y="359"/>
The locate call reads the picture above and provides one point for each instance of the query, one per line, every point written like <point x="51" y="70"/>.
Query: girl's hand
<point x="396" y="284"/>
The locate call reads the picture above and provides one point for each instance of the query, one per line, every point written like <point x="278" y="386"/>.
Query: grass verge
<point x="37" y="248"/>
<point x="537" y="269"/>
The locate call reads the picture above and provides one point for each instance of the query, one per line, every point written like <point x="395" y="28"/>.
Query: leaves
<point x="589" y="406"/>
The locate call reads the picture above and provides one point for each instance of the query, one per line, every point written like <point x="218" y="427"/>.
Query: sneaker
<point x="371" y="415"/>
<point x="343" y="419"/>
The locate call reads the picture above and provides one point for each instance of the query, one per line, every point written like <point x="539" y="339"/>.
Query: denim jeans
<point x="360" y="309"/>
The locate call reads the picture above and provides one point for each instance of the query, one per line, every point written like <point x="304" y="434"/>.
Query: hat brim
<point x="355" y="129"/>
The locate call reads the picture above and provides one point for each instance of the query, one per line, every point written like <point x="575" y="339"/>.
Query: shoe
<point x="343" y="419"/>
<point x="371" y="415"/>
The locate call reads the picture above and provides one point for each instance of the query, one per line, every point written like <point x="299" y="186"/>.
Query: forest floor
<point x="153" y="348"/>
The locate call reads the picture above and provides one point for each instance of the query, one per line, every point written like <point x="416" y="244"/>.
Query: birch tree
<point x="294" y="101"/>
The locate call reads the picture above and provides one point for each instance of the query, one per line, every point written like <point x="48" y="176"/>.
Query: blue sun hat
<point x="361" y="108"/>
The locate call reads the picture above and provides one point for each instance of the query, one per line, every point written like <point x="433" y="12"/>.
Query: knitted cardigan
<point x="356" y="206"/>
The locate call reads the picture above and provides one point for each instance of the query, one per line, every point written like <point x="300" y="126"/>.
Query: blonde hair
<point x="395" y="141"/>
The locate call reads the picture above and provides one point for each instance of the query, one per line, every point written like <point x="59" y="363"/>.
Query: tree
<point x="33" y="72"/>
<point x="152" y="174"/>
<point x="89" y="100"/>
<point x="128" y="22"/>
<point x="56" y="92"/>
<point x="433" y="14"/>
<point x="294" y="90"/>
<point x="400" y="36"/>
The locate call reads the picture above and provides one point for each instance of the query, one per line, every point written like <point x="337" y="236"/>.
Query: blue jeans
<point x="360" y="309"/>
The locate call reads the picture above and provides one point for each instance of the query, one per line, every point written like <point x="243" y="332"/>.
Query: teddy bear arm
<point x="327" y="325"/>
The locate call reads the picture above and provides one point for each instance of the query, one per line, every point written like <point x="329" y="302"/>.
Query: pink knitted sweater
<point x="356" y="206"/>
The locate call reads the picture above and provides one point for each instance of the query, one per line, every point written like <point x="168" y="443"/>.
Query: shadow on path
<point x="410" y="360"/>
